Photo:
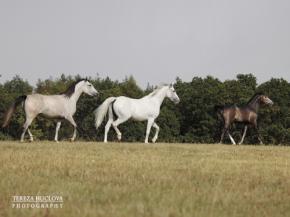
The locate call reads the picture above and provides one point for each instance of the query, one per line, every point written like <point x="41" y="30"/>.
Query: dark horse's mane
<point x="222" y="107"/>
<point x="253" y="97"/>
<point x="71" y="89"/>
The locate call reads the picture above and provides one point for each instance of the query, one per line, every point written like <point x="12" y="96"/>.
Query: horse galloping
<point x="247" y="114"/>
<point x="146" y="108"/>
<point x="61" y="106"/>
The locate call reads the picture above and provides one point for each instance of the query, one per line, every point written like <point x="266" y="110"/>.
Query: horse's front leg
<point x="27" y="123"/>
<point x="258" y="134"/>
<point x="30" y="135"/>
<point x="56" y="131"/>
<point x="244" y="134"/>
<point x="149" y="125"/>
<point x="71" y="120"/>
<point x="156" y="133"/>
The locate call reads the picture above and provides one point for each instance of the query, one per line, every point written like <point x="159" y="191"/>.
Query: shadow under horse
<point x="247" y="114"/>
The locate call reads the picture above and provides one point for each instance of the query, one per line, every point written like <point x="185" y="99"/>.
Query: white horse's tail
<point x="102" y="110"/>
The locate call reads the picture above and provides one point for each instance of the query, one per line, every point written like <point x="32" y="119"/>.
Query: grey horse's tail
<point x="11" y="110"/>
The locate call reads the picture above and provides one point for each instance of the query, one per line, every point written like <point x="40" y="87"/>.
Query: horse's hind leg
<point x="244" y="134"/>
<point x="30" y="135"/>
<point x="232" y="139"/>
<point x="258" y="134"/>
<point x="109" y="123"/>
<point x="149" y="125"/>
<point x="58" y="124"/>
<point x="222" y="136"/>
<point x="107" y="128"/>
<point x="225" y="130"/>
<point x="228" y="132"/>
<point x="156" y="133"/>
<point x="25" y="127"/>
<point x="115" y="125"/>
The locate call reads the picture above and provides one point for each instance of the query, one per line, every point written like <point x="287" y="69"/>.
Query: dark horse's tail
<point x="219" y="110"/>
<point x="11" y="110"/>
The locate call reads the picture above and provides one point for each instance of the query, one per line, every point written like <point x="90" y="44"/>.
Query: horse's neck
<point x="160" y="96"/>
<point x="75" y="96"/>
<point x="254" y="104"/>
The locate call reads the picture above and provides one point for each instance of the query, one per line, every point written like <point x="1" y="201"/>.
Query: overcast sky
<point x="153" y="40"/>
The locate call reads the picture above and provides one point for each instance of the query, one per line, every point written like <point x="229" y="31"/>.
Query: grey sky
<point x="153" y="40"/>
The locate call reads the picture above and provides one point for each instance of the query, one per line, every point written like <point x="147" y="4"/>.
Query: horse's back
<point x="43" y="99"/>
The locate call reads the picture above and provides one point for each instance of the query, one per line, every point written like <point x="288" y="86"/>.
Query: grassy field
<point x="122" y="179"/>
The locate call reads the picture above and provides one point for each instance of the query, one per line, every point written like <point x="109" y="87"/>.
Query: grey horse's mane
<point x="71" y="89"/>
<point x="156" y="90"/>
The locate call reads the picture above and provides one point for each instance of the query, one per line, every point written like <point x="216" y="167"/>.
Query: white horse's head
<point x="86" y="87"/>
<point x="172" y="95"/>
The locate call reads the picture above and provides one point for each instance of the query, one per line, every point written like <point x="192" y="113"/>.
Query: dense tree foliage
<point x="192" y="120"/>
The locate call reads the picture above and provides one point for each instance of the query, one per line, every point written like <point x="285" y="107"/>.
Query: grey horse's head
<point x="172" y="95"/>
<point x="88" y="88"/>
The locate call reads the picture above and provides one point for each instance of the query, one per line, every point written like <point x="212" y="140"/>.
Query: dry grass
<point x="126" y="180"/>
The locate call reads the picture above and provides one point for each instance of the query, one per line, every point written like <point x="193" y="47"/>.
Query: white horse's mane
<point x="159" y="87"/>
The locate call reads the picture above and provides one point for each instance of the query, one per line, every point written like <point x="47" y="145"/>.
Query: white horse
<point x="146" y="108"/>
<point x="62" y="106"/>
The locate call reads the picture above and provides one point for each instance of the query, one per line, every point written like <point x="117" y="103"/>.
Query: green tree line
<point x="192" y="120"/>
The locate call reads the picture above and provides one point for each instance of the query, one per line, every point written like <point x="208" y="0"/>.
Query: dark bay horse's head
<point x="263" y="99"/>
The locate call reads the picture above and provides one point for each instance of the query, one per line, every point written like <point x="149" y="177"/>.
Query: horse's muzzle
<point x="96" y="94"/>
<point x="176" y="101"/>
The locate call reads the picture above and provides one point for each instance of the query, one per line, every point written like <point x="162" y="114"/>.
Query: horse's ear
<point x="260" y="93"/>
<point x="171" y="85"/>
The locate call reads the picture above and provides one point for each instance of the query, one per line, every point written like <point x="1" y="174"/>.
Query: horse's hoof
<point x="72" y="140"/>
<point x="154" y="140"/>
<point x="119" y="137"/>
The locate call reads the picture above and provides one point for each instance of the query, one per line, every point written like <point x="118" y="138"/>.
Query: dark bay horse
<point x="246" y="114"/>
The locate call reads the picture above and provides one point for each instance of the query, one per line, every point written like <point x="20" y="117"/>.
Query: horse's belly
<point x="53" y="109"/>
<point x="139" y="118"/>
<point x="143" y="116"/>
<point x="239" y="119"/>
<point x="52" y="113"/>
